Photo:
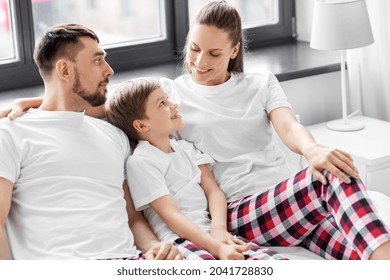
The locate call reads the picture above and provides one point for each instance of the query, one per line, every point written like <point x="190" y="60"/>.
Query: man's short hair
<point x="60" y="41"/>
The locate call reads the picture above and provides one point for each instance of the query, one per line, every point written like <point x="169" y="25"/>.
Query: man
<point x="63" y="192"/>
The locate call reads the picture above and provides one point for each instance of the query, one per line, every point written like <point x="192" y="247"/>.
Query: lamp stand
<point x="344" y="124"/>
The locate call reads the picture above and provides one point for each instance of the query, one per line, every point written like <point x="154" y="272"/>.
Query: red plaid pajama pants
<point x="191" y="251"/>
<point x="336" y="220"/>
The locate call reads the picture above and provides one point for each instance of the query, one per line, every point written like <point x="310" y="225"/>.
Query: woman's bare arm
<point x="298" y="139"/>
<point x="18" y="106"/>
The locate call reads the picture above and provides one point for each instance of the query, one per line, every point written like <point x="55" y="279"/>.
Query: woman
<point x="230" y="115"/>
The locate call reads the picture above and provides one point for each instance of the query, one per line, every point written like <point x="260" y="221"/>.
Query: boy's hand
<point x="225" y="237"/>
<point x="163" y="251"/>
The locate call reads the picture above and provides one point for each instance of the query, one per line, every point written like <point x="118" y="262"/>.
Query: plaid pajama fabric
<point x="191" y="251"/>
<point x="336" y="220"/>
<point x="328" y="241"/>
<point x="138" y="257"/>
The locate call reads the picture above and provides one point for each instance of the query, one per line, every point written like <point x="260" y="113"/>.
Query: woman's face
<point x="209" y="51"/>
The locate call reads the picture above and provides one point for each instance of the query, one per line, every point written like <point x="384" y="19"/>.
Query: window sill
<point x="292" y="60"/>
<point x="287" y="61"/>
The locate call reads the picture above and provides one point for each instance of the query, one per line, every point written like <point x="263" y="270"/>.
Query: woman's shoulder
<point x="252" y="79"/>
<point x="261" y="75"/>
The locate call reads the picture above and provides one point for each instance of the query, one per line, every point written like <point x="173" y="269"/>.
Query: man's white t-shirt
<point x="230" y="123"/>
<point x="153" y="174"/>
<point x="68" y="170"/>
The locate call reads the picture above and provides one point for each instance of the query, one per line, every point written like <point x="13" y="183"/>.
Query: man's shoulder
<point x="103" y="124"/>
<point x="4" y="122"/>
<point x="5" y="129"/>
<point x="11" y="125"/>
<point x="108" y="129"/>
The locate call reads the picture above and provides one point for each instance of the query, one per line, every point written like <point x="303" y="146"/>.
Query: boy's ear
<point x="139" y="126"/>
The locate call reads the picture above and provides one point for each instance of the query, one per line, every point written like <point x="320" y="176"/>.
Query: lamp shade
<point x="340" y="25"/>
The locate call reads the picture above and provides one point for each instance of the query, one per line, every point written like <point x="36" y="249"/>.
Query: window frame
<point x="256" y="37"/>
<point x="24" y="73"/>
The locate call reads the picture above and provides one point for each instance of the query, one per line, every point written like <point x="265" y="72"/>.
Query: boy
<point x="170" y="180"/>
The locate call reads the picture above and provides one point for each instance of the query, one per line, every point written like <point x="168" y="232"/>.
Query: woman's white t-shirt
<point x="230" y="123"/>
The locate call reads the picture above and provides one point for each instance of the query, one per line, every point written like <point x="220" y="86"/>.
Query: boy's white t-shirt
<point x="68" y="170"/>
<point x="153" y="174"/>
<point x="230" y="123"/>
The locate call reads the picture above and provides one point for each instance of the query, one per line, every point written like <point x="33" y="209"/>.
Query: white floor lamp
<point x="341" y="25"/>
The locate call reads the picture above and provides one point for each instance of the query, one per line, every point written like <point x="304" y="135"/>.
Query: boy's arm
<point x="217" y="207"/>
<point x="145" y="239"/>
<point x="166" y="208"/>
<point x="6" y="188"/>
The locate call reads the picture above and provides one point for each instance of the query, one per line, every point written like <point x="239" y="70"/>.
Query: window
<point x="253" y="13"/>
<point x="122" y="22"/>
<point x="135" y="33"/>
<point x="8" y="51"/>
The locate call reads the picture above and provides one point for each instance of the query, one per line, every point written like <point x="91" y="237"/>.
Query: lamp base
<point x="349" y="125"/>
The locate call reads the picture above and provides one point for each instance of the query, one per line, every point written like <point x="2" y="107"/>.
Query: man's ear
<point x="62" y="67"/>
<point x="139" y="126"/>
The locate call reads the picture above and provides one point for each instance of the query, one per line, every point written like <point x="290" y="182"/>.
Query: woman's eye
<point x="215" y="54"/>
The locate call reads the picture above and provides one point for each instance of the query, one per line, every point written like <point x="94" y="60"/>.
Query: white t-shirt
<point x="153" y="174"/>
<point x="230" y="123"/>
<point x="68" y="170"/>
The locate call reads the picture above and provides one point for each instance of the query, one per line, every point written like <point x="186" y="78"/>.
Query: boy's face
<point x="163" y="117"/>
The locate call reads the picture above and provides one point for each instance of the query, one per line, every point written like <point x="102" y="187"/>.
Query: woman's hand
<point x="11" y="110"/>
<point x="337" y="162"/>
<point x="18" y="106"/>
<point x="298" y="139"/>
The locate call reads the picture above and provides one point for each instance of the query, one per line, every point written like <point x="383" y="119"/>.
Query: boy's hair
<point x="60" y="41"/>
<point x="127" y="104"/>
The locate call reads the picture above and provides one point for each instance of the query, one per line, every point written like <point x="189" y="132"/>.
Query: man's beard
<point x="95" y="99"/>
